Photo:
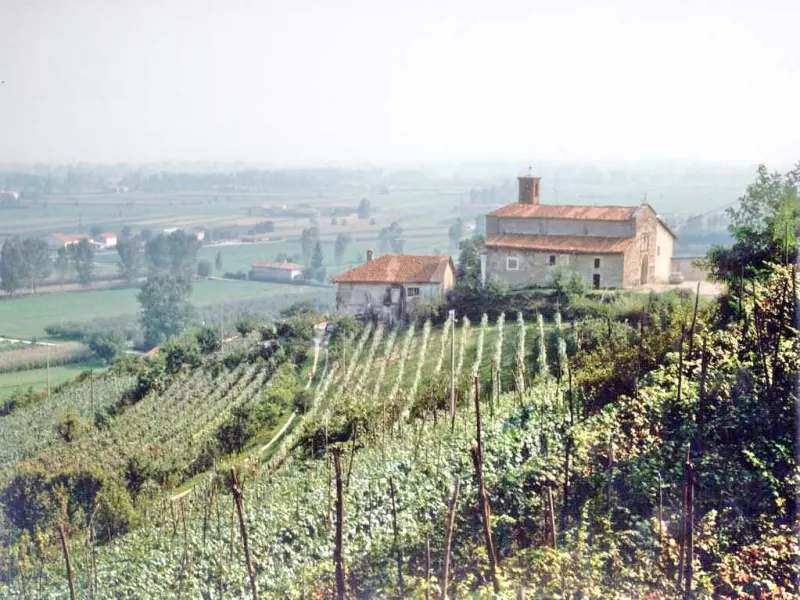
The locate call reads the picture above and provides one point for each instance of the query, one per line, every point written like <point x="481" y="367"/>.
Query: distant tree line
<point x="26" y="262"/>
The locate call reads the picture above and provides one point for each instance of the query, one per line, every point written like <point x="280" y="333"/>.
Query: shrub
<point x="245" y="324"/>
<point x="208" y="339"/>
<point x="107" y="347"/>
<point x="237" y="429"/>
<point x="69" y="426"/>
<point x="204" y="268"/>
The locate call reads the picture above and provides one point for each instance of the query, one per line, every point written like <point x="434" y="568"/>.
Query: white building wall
<point x="534" y="268"/>
<point x="664" y="246"/>
<point x="268" y="274"/>
<point x="359" y="298"/>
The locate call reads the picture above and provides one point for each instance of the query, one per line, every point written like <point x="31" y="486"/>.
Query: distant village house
<point x="64" y="240"/>
<point x="275" y="271"/>
<point x="392" y="286"/>
<point x="106" y="240"/>
<point x="609" y="246"/>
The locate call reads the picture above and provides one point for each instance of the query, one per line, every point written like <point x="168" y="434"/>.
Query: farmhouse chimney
<point x="369" y="256"/>
<point x="528" y="189"/>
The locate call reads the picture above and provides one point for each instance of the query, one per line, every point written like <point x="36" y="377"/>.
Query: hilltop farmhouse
<point x="609" y="246"/>
<point x="392" y="286"/>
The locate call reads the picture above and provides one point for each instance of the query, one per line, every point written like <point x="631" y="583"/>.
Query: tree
<point x="36" y="260"/>
<point x="204" y="268"/>
<point x="364" y="209"/>
<point x="391" y="238"/>
<point x="62" y="263"/>
<point x="308" y="240"/>
<point x="763" y="226"/>
<point x="343" y="240"/>
<point x="218" y="261"/>
<point x="12" y="265"/>
<point x="316" y="272"/>
<point x="95" y="230"/>
<point x="156" y="251"/>
<point x="82" y="256"/>
<point x="183" y="248"/>
<point x="456" y="233"/>
<point x="128" y="265"/>
<point x="146" y="235"/>
<point x="165" y="306"/>
<point x="126" y="233"/>
<point x="175" y="253"/>
<point x="106" y="346"/>
<point x="468" y="269"/>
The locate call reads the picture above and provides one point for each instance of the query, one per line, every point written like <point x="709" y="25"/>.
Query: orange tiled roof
<point x="565" y="211"/>
<point x="65" y="237"/>
<point x="399" y="268"/>
<point x="266" y="264"/>
<point x="561" y="243"/>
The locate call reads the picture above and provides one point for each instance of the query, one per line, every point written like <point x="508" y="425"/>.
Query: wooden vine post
<point x="684" y="516"/>
<point x="338" y="553"/>
<point x="427" y="566"/>
<point x="689" y="523"/>
<point x="448" y="537"/>
<point x="62" y="535"/>
<point x="238" y="498"/>
<point x="551" y="515"/>
<point x="477" y="460"/>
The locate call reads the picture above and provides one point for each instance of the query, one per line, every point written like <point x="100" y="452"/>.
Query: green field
<point x="26" y="317"/>
<point x="37" y="378"/>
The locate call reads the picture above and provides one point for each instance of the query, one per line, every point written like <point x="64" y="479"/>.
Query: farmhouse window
<point x="512" y="263"/>
<point x="412" y="292"/>
<point x="596" y="263"/>
<point x="552" y="259"/>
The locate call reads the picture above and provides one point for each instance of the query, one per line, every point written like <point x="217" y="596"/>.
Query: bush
<point x="245" y="324"/>
<point x="69" y="426"/>
<point x="204" y="268"/>
<point x="115" y="513"/>
<point x="179" y="353"/>
<point x="238" y="275"/>
<point x="208" y="340"/>
<point x="302" y="400"/>
<point x="107" y="347"/>
<point x="236" y="431"/>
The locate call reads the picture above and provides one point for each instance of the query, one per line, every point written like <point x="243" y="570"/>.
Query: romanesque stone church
<point x="610" y="246"/>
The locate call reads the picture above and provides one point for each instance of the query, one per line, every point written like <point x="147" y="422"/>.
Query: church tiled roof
<point x="561" y="243"/>
<point x="565" y="211"/>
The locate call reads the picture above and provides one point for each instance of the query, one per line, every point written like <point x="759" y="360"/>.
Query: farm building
<point x="393" y="285"/>
<point x="609" y="246"/>
<point x="9" y="198"/>
<point x="275" y="271"/>
<point x="62" y="240"/>
<point x="106" y="240"/>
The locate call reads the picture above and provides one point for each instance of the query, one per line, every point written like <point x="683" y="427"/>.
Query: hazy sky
<point x="343" y="81"/>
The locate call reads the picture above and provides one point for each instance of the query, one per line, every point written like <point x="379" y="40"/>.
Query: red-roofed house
<point x="62" y="240"/>
<point x="392" y="286"/>
<point x="609" y="246"/>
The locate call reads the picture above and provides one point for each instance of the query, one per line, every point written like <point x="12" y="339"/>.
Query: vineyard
<point x="501" y="457"/>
